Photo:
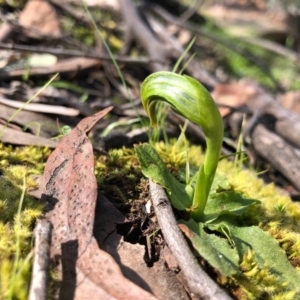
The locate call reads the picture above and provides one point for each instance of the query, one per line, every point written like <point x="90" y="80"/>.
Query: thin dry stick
<point x="283" y="156"/>
<point x="76" y="53"/>
<point x="41" y="261"/>
<point x="138" y="29"/>
<point x="200" y="284"/>
<point x="42" y="108"/>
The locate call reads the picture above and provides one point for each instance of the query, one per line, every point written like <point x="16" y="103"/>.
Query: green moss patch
<point x="120" y="179"/>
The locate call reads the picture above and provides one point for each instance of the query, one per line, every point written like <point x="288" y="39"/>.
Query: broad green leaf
<point x="220" y="183"/>
<point x="223" y="200"/>
<point x="216" y="250"/>
<point x="268" y="254"/>
<point x="223" y="227"/>
<point x="226" y="203"/>
<point x="154" y="168"/>
<point x="226" y="257"/>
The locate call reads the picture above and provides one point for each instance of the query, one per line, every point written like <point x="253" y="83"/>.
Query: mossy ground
<point x="276" y="214"/>
<point x="120" y="179"/>
<point x="18" y="211"/>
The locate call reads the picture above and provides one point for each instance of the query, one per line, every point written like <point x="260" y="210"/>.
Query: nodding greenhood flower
<point x="190" y="99"/>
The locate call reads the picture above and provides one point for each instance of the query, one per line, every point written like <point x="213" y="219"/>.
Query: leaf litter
<point x="70" y="195"/>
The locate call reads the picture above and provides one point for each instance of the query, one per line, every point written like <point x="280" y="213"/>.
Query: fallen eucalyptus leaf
<point x="70" y="194"/>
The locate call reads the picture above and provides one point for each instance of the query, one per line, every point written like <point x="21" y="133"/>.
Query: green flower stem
<point x="189" y="98"/>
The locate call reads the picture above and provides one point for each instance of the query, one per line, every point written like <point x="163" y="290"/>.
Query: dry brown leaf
<point x="41" y="17"/>
<point x="70" y="192"/>
<point x="232" y="95"/>
<point x="158" y="278"/>
<point x="70" y="187"/>
<point x="291" y="100"/>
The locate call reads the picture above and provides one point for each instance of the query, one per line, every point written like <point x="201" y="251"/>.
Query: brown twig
<point x="274" y="47"/>
<point x="42" y="108"/>
<point x="75" y="53"/>
<point x="196" y="29"/>
<point x="191" y="10"/>
<point x="200" y="284"/>
<point x="138" y="29"/>
<point x="286" y="123"/>
<point x="41" y="261"/>
<point x="274" y="149"/>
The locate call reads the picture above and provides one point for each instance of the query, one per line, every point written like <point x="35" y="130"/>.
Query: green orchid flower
<point x="189" y="98"/>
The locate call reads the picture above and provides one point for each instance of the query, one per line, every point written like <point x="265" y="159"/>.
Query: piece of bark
<point x="284" y="157"/>
<point x="200" y="284"/>
<point x="41" y="261"/>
